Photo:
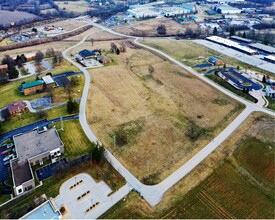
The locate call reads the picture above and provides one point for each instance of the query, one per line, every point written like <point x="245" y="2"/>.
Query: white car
<point x="6" y="158"/>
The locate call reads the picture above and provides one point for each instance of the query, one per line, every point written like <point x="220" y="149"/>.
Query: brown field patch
<point x="153" y="112"/>
<point x="150" y="27"/>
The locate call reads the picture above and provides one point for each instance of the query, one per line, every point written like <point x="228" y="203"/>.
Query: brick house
<point x="33" y="87"/>
<point x="16" y="107"/>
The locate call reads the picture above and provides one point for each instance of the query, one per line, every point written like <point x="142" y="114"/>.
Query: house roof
<point x="104" y="58"/>
<point x="48" y="80"/>
<point x="33" y="84"/>
<point x="86" y="53"/>
<point x="213" y="59"/>
<point x="33" y="143"/>
<point x="16" y="106"/>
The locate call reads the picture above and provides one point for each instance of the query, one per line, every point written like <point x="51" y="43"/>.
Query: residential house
<point x="215" y="61"/>
<point x="104" y="60"/>
<point x="33" y="148"/>
<point x="16" y="107"/>
<point x="88" y="54"/>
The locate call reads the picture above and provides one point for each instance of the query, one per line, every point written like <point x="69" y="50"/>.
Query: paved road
<point x="154" y="194"/>
<point x="29" y="127"/>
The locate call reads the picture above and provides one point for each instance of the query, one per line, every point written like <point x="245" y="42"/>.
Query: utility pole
<point x="114" y="141"/>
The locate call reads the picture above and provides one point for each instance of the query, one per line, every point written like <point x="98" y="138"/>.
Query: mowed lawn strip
<point x="75" y="141"/>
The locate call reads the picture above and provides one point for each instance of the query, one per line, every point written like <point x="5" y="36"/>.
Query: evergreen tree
<point x="232" y="31"/>
<point x="215" y="31"/>
<point x="244" y="35"/>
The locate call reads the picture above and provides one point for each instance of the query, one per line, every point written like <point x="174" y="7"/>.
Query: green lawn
<point x="262" y="168"/>
<point x="4" y="198"/>
<point x="75" y="141"/>
<point x="271" y="104"/>
<point x="28" y="117"/>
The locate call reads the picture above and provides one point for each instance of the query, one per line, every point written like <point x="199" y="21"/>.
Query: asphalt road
<point x="153" y="194"/>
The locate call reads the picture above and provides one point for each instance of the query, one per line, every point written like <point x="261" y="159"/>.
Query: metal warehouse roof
<point x="263" y="47"/>
<point x="48" y="79"/>
<point x="270" y="57"/>
<point x="230" y="43"/>
<point x="33" y="84"/>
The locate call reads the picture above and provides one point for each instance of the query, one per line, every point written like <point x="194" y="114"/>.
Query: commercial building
<point x="270" y="59"/>
<point x="231" y="44"/>
<point x="45" y="211"/>
<point x="16" y="108"/>
<point x="49" y="82"/>
<point x="263" y="48"/>
<point x="33" y="148"/>
<point x="40" y="85"/>
<point x="241" y="39"/>
<point x="226" y="9"/>
<point x="270" y="91"/>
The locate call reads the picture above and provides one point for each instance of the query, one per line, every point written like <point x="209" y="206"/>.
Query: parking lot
<point x="81" y="195"/>
<point x="5" y="166"/>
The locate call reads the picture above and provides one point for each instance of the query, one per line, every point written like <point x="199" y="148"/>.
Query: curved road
<point x="153" y="194"/>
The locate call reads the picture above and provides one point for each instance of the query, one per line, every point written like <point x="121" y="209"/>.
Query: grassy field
<point x="188" y="52"/>
<point x="146" y="112"/>
<point x="237" y="185"/>
<point x="150" y="27"/>
<point x="74" y="6"/>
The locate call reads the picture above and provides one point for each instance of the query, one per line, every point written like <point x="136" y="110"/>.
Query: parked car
<point x="6" y="158"/>
<point x="4" y="152"/>
<point x="6" y="163"/>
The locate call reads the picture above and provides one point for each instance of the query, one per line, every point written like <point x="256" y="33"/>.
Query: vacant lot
<point x="233" y="190"/>
<point x="73" y="6"/>
<point x="166" y="113"/>
<point x="149" y="27"/>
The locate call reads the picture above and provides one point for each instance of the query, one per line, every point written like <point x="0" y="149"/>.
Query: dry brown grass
<point x="150" y="27"/>
<point x="161" y="104"/>
<point x="135" y="207"/>
<point x="77" y="6"/>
